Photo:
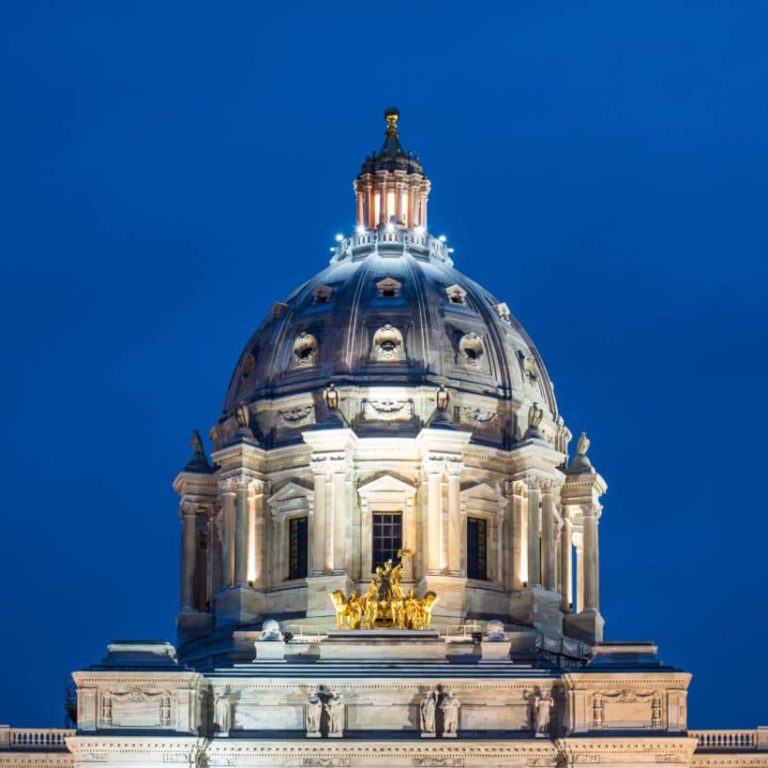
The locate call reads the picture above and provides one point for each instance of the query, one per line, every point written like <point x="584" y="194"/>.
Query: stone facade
<point x="389" y="390"/>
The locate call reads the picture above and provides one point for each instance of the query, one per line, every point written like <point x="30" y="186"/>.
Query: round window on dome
<point x="471" y="349"/>
<point x="304" y="350"/>
<point x="388" y="344"/>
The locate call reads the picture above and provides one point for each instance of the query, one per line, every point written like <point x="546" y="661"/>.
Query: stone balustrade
<point x="730" y="740"/>
<point x="34" y="738"/>
<point x="414" y="238"/>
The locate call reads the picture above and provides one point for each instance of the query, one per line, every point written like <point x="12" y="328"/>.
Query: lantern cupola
<point x="391" y="188"/>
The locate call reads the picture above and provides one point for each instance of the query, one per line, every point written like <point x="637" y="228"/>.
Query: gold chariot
<point x="385" y="604"/>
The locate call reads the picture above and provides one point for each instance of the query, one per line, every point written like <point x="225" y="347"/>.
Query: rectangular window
<point x="477" y="548"/>
<point x="297" y="547"/>
<point x="387" y="536"/>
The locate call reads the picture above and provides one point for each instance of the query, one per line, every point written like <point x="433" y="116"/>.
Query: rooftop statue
<point x="385" y="604"/>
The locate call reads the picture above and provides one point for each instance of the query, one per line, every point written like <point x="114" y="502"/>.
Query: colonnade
<point x="538" y="527"/>
<point x="392" y="197"/>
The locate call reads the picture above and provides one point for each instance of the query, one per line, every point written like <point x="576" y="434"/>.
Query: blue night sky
<point x="168" y="170"/>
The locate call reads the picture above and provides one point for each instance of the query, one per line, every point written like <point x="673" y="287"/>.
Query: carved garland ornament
<point x="476" y="415"/>
<point x="297" y="417"/>
<point x="387" y="410"/>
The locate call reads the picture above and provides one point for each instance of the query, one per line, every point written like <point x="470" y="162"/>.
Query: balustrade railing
<point x="34" y="738"/>
<point x="415" y="238"/>
<point x="726" y="740"/>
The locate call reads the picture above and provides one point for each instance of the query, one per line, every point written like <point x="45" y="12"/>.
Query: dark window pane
<point x="297" y="548"/>
<point x="477" y="556"/>
<point x="387" y="536"/>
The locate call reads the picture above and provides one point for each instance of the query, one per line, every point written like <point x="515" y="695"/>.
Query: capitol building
<point x="390" y="549"/>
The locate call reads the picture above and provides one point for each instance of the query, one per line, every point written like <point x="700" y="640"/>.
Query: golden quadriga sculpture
<point x="384" y="604"/>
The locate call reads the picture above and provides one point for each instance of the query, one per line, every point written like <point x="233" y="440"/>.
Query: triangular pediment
<point x="482" y="491"/>
<point x="386" y="483"/>
<point x="291" y="490"/>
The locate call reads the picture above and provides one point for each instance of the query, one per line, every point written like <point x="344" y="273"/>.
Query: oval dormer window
<point x="304" y="350"/>
<point x="471" y="349"/>
<point x="388" y="344"/>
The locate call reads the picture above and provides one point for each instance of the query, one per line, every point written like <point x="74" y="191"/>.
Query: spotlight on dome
<point x="443" y="239"/>
<point x="339" y="238"/>
<point x="360" y="229"/>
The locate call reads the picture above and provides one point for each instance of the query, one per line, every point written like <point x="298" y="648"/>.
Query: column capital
<point x="533" y="482"/>
<point x="189" y="508"/>
<point x="433" y="464"/>
<point x="454" y="466"/>
<point x="593" y="510"/>
<point x="238" y="480"/>
<point x="550" y="486"/>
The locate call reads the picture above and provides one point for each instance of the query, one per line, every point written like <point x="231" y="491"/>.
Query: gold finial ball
<point x="392" y="114"/>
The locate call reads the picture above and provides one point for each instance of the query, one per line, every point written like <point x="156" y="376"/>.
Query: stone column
<point x="579" y="543"/>
<point x="318" y="534"/>
<point x="518" y="537"/>
<point x="360" y="209"/>
<point x="566" y="563"/>
<point x="534" y="537"/>
<point x="371" y="203"/>
<point x="433" y="534"/>
<point x="241" y="534"/>
<point x="549" y="554"/>
<point x="383" y="201"/>
<point x="188" y="555"/>
<point x="455" y="527"/>
<point x="339" y="472"/>
<point x="256" y="524"/>
<point x="228" y="537"/>
<point x="591" y="559"/>
<point x="214" y="555"/>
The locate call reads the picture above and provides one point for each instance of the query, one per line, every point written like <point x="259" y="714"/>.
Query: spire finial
<point x="392" y="115"/>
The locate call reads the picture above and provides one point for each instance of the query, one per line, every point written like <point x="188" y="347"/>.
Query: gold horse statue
<point x="384" y="604"/>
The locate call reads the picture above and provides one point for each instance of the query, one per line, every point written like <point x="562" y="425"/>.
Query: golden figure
<point x="371" y="609"/>
<point x="384" y="604"/>
<point x="354" y="610"/>
<point x="340" y="604"/>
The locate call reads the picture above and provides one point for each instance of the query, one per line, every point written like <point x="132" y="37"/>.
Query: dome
<point x="393" y="312"/>
<point x="388" y="323"/>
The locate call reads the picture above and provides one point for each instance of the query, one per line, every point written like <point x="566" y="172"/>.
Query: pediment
<point x="386" y="483"/>
<point x="482" y="491"/>
<point x="291" y="490"/>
